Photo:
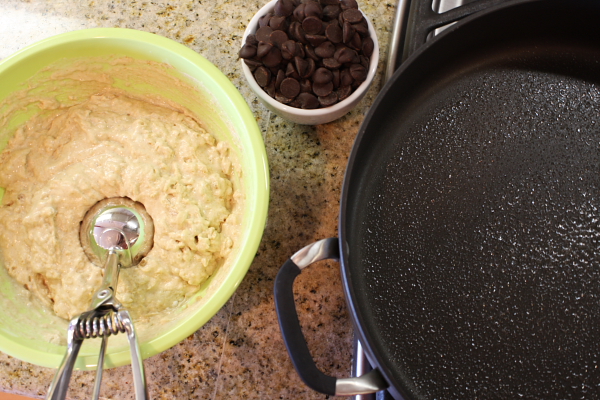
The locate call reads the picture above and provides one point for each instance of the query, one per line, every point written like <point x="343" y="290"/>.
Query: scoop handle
<point x="60" y="383"/>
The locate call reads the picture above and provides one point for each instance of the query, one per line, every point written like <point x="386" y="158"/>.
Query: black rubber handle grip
<point x="292" y="332"/>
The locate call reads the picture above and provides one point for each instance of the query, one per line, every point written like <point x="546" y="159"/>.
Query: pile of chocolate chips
<point x="310" y="54"/>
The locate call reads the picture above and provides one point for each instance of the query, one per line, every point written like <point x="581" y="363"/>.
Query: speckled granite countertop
<point x="239" y="354"/>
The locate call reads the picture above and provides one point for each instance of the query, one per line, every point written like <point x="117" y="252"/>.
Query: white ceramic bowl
<point x="316" y="116"/>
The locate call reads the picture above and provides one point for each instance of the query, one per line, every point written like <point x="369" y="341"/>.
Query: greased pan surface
<point x="470" y="211"/>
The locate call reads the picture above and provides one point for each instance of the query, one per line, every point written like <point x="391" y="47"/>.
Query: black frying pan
<point x="470" y="217"/>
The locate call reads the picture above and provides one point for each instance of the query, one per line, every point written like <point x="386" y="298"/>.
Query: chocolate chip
<point x="367" y="47"/>
<point x="364" y="61"/>
<point x="346" y="4"/>
<point x="340" y="20"/>
<point x="358" y="72"/>
<point x="334" y="33"/>
<point x="312" y="25"/>
<point x="331" y="63"/>
<point x="252" y="64"/>
<point x="315" y="40"/>
<point x="300" y="50"/>
<point x="333" y="21"/>
<point x="279" y="78"/>
<point x="328" y="100"/>
<point x="322" y="75"/>
<point x="251" y="39"/>
<point x="344" y="55"/>
<point x="332" y="11"/>
<point x="325" y="50"/>
<point x="310" y="52"/>
<point x="297" y="32"/>
<point x="290" y="88"/>
<point x="347" y="32"/>
<point x="352" y="15"/>
<point x="263" y="34"/>
<point x="270" y="89"/>
<point x="273" y="58"/>
<point x="305" y="67"/>
<point x="283" y="8"/>
<point x="299" y="12"/>
<point x="288" y="49"/>
<point x="335" y="78"/>
<point x="263" y="49"/>
<point x="264" y="20"/>
<point x="280" y="97"/>
<point x="262" y="76"/>
<point x="277" y="38"/>
<point x="308" y="101"/>
<point x="344" y="92"/>
<point x="291" y="71"/>
<point x="248" y="51"/>
<point x="322" y="89"/>
<point x="356" y="42"/>
<point x="345" y="77"/>
<point x="278" y="23"/>
<point x="362" y="28"/>
<point x="301" y="65"/>
<point x="313" y="9"/>
<point x="305" y="86"/>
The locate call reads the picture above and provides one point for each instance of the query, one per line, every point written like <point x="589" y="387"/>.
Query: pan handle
<point x="291" y="331"/>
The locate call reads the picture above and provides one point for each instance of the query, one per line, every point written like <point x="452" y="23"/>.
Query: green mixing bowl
<point x="24" y="326"/>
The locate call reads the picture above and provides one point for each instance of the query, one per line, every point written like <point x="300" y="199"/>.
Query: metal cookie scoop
<point x="118" y="233"/>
